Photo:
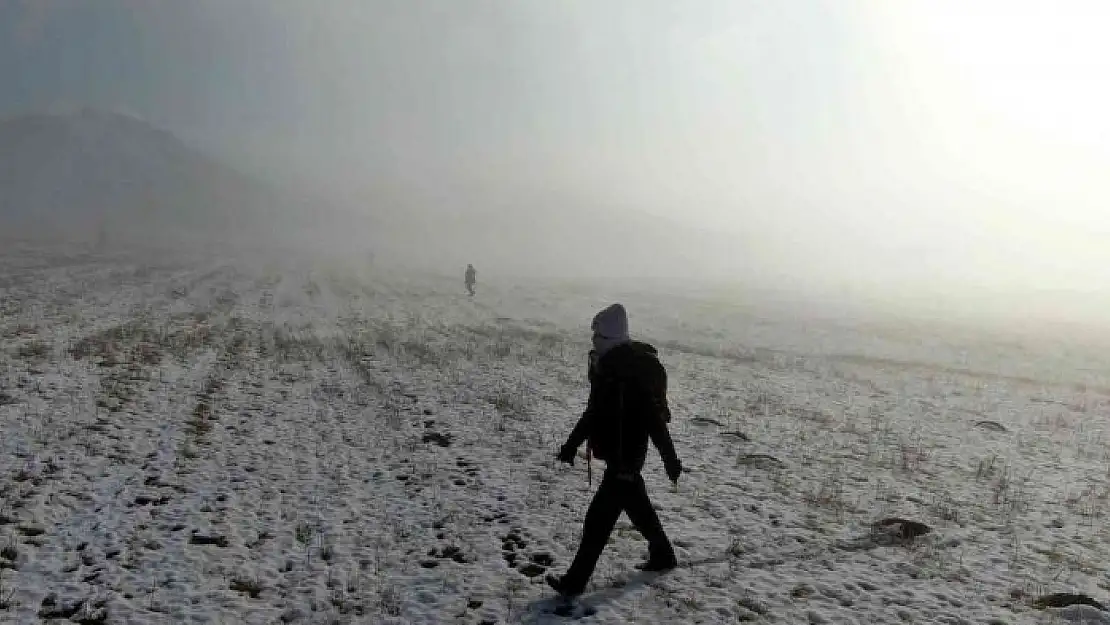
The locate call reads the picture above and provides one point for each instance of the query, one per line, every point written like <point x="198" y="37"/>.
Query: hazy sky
<point x="898" y="140"/>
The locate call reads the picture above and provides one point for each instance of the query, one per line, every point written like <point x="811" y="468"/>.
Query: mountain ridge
<point x="93" y="169"/>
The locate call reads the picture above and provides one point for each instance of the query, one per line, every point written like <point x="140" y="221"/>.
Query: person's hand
<point x="674" y="470"/>
<point x="566" y="454"/>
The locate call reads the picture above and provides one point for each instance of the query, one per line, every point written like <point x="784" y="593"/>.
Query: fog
<point x="920" y="152"/>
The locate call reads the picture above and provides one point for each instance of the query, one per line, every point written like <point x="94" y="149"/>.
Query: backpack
<point x="626" y="395"/>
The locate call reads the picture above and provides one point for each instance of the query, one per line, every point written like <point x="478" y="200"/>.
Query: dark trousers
<point x="615" y="495"/>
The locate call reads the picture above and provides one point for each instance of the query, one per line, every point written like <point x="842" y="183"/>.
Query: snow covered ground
<point x="205" y="441"/>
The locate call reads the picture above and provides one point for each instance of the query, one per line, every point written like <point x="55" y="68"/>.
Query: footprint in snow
<point x="450" y="552"/>
<point x="513" y="545"/>
<point x="443" y="440"/>
<point x="197" y="538"/>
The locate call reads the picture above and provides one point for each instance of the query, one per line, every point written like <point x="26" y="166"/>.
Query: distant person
<point x="627" y="406"/>
<point x="471" y="278"/>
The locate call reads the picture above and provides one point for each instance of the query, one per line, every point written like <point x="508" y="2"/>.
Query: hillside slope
<point x="81" y="171"/>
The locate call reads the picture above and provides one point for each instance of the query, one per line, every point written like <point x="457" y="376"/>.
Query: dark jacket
<point x="627" y="406"/>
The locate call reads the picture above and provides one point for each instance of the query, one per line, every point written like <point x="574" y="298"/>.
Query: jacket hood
<point x="610" y="329"/>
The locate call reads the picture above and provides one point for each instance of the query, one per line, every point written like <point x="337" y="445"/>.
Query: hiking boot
<point x="561" y="586"/>
<point x="658" y="564"/>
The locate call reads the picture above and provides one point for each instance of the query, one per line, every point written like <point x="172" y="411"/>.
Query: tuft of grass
<point x="986" y="468"/>
<point x="34" y="351"/>
<point x="9" y="551"/>
<point x="390" y="601"/>
<point x="514" y="585"/>
<point x="946" y="509"/>
<point x="7" y="595"/>
<point x="304" y="533"/>
<point x="829" y="493"/>
<point x="512" y="402"/>
<point x="912" y="454"/>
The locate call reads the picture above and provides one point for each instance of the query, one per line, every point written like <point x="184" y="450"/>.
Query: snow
<point x="197" y="440"/>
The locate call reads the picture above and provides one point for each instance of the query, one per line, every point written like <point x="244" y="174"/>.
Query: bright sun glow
<point x="1025" y="85"/>
<point x="1018" y="107"/>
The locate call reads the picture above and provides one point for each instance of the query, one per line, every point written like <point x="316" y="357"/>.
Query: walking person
<point x="627" y="406"/>
<point x="470" y="279"/>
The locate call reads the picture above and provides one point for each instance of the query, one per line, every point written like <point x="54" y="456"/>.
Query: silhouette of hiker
<point x="627" y="406"/>
<point x="471" y="278"/>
